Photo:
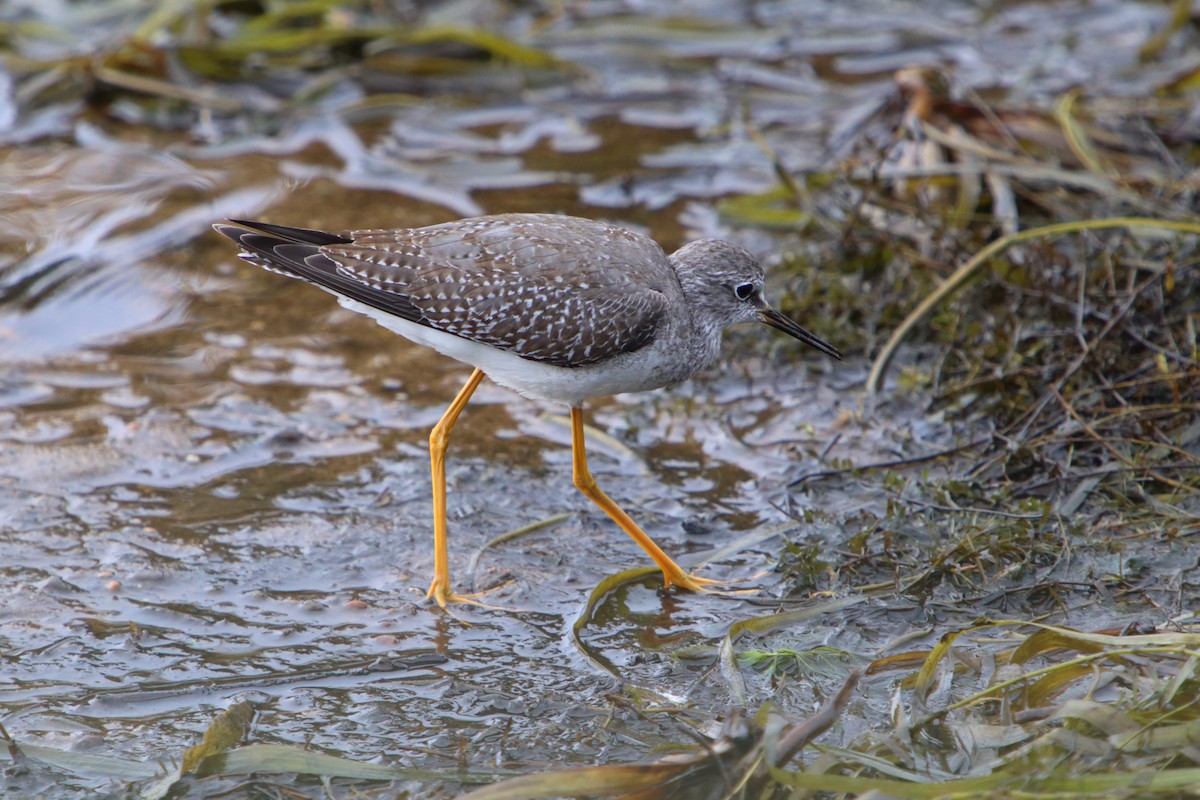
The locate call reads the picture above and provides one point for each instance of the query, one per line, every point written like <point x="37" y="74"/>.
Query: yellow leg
<point x="673" y="574"/>
<point x="439" y="440"/>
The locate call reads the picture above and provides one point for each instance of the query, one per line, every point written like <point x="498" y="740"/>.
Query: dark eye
<point x="744" y="291"/>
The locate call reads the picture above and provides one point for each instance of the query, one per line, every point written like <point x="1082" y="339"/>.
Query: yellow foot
<point x="440" y="593"/>
<point x="675" y="576"/>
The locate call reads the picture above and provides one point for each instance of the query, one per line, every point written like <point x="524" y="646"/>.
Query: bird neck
<point x="696" y="340"/>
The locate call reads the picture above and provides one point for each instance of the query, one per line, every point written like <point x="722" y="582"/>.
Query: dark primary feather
<point x="296" y="259"/>
<point x="307" y="235"/>
<point x="560" y="290"/>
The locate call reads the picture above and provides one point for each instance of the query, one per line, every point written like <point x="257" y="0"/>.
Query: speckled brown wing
<point x="560" y="290"/>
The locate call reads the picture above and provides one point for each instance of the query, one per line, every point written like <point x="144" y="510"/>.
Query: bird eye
<point x="744" y="291"/>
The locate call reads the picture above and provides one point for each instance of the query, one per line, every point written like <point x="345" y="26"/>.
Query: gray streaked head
<point x="721" y="280"/>
<point x="724" y="283"/>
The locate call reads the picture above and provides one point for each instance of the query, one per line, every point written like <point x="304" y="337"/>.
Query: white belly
<point x="635" y="372"/>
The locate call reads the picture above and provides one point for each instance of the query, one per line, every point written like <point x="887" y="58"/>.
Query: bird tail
<point x="297" y="253"/>
<point x="279" y="248"/>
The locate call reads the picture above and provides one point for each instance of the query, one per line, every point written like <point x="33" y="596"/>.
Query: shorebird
<point x="557" y="308"/>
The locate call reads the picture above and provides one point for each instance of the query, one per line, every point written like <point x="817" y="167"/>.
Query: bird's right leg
<point x="439" y="440"/>
<point x="673" y="574"/>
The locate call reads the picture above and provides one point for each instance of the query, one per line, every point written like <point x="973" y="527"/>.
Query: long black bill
<point x="782" y="323"/>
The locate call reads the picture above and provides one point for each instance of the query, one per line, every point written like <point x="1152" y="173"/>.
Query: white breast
<point x="652" y="367"/>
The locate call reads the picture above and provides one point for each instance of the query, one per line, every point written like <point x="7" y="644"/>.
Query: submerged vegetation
<point x="975" y="557"/>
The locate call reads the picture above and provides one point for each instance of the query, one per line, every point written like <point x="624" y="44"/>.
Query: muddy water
<point x="214" y="481"/>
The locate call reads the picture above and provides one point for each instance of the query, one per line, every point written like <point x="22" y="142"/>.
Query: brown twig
<point x="796" y="738"/>
<point x="1081" y="359"/>
<point x="899" y="463"/>
<point x="1030" y="488"/>
<point x="1107" y="445"/>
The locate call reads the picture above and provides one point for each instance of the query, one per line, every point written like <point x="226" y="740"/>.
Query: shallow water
<point x="214" y="481"/>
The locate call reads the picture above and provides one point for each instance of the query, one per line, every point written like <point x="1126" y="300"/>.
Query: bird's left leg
<point x="439" y="441"/>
